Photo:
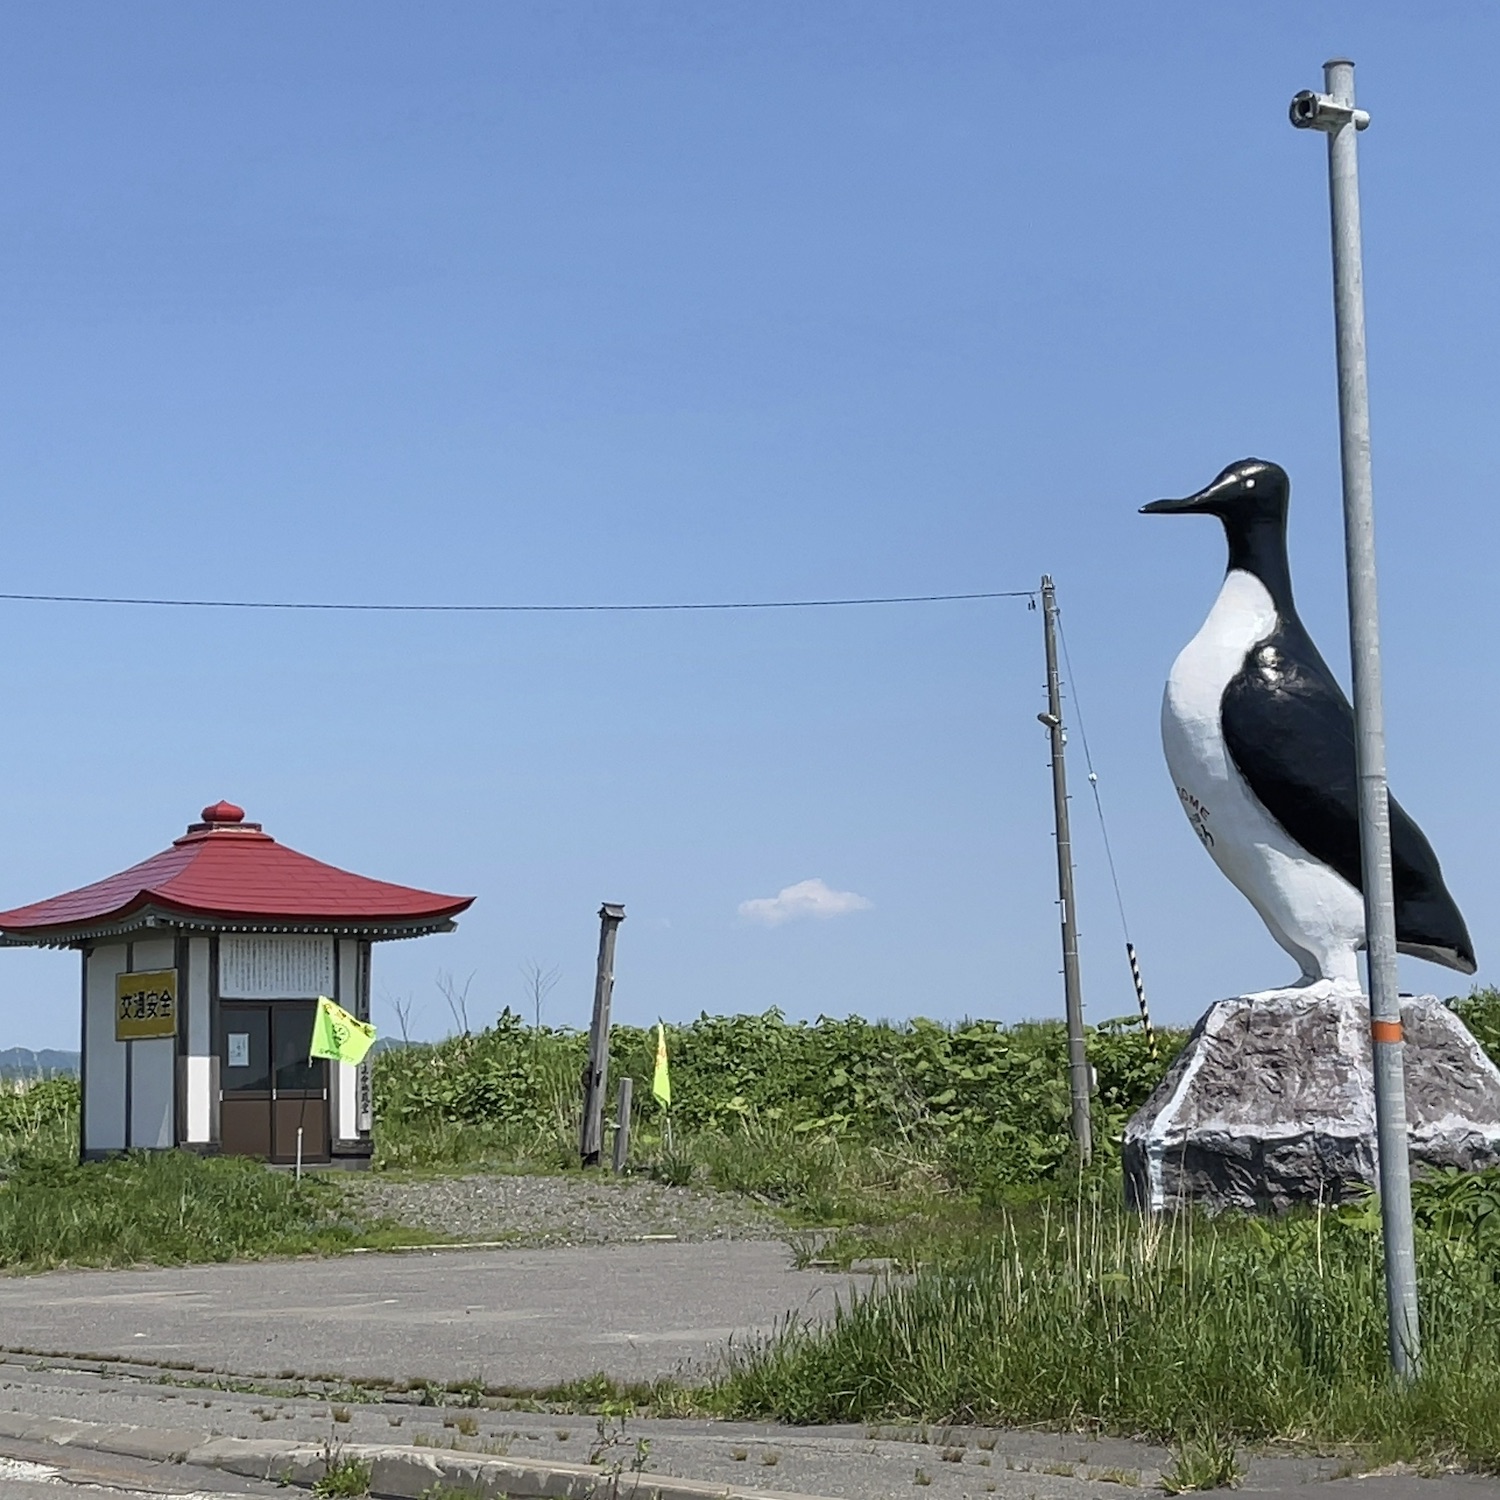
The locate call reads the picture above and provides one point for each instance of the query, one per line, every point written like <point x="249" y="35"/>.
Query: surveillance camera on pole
<point x="1333" y="113"/>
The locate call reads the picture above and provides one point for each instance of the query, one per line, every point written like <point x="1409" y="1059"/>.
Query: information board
<point x="269" y="967"/>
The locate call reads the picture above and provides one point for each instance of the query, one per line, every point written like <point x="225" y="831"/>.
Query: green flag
<point x="339" y="1036"/>
<point x="661" y="1082"/>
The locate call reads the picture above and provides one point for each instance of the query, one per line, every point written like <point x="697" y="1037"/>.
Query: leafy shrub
<point x="38" y="1118"/>
<point x="983" y="1105"/>
<point x="1480" y="1012"/>
<point x="1460" y="1206"/>
<point x="789" y="1110"/>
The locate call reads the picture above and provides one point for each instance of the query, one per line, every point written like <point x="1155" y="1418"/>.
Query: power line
<point x="499" y="609"/>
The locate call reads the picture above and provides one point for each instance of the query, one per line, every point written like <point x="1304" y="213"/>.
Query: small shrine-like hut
<point x="202" y="967"/>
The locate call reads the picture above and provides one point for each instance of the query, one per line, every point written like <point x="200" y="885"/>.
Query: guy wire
<point x="1088" y="760"/>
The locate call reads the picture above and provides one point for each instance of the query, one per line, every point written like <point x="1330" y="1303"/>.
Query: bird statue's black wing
<point x="1289" y="729"/>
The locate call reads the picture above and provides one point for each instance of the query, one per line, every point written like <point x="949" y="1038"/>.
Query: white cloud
<point x="808" y="898"/>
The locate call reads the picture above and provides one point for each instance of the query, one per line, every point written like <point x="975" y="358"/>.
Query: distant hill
<point x="22" y="1062"/>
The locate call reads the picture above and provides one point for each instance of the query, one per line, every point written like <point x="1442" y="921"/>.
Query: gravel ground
<point x="562" y="1210"/>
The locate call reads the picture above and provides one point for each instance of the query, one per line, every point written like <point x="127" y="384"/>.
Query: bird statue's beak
<point x="1189" y="505"/>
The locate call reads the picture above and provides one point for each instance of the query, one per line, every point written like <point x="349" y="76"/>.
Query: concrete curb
<point x="397" y="1473"/>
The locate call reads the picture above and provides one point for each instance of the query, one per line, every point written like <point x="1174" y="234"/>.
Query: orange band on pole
<point x="1385" y="1031"/>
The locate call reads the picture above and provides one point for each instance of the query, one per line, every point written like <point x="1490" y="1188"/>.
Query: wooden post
<point x="596" y="1077"/>
<point x="622" y="1124"/>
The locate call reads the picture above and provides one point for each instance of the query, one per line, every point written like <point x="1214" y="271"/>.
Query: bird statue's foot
<point x="1309" y="988"/>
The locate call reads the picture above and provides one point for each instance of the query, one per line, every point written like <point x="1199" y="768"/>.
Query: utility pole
<point x="1333" y="113"/>
<point x="1078" y="1062"/>
<point x="596" y="1075"/>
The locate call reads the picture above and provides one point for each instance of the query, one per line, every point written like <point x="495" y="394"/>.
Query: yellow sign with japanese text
<point x="145" y="1005"/>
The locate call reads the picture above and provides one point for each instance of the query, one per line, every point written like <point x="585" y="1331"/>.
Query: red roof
<point x="225" y="870"/>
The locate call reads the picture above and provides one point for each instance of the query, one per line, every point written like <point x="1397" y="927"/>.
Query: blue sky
<point x="660" y="302"/>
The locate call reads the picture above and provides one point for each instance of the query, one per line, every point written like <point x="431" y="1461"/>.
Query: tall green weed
<point x="1171" y="1326"/>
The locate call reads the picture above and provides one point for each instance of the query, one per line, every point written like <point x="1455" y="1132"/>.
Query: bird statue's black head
<point x="1248" y="491"/>
<point x="1250" y="497"/>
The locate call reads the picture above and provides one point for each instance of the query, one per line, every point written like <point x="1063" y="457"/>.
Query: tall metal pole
<point x="596" y="1075"/>
<point x="1078" y="1063"/>
<point x="1333" y="112"/>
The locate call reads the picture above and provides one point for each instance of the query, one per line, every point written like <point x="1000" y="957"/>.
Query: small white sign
<point x="239" y="1049"/>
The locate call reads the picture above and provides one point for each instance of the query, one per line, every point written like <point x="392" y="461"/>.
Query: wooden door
<point x="299" y="1085"/>
<point x="245" y="1079"/>
<point x="270" y="1089"/>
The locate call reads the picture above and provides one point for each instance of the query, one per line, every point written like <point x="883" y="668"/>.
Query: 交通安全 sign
<point x="145" y="1005"/>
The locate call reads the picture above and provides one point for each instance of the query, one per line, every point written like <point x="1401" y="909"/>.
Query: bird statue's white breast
<point x="1316" y="915"/>
<point x="1191" y="728"/>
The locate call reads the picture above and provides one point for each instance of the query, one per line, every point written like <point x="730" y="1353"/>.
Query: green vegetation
<point x="838" y="1121"/>
<point x="38" y="1118"/>
<point x="343" y="1477"/>
<point x="169" y="1208"/>
<point x="1186" y="1328"/>
<point x="1034" y="1297"/>
<point x="1054" y="1305"/>
<point x="1207" y="1463"/>
<point x="160" y="1207"/>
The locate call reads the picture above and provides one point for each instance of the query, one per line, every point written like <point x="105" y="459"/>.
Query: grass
<point x="1207" y="1463"/>
<point x="1196" y="1332"/>
<point x="1027" y="1294"/>
<point x="343" y="1477"/>
<point x="172" y="1208"/>
<point x="162" y="1208"/>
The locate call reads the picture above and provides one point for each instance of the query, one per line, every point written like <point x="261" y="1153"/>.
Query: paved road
<point x="853" y="1463"/>
<point x="32" y="1472"/>
<point x="517" y="1318"/>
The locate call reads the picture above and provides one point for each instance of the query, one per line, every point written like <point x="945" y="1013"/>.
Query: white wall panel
<point x="153" y="1067"/>
<point x="150" y="954"/>
<point x="104" y="1061"/>
<point x="153" y="1076"/>
<point x="199" y="1043"/>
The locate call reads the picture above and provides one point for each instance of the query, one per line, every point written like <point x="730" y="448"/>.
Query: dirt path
<point x="562" y="1210"/>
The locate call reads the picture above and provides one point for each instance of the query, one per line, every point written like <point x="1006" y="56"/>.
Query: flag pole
<point x="1333" y="113"/>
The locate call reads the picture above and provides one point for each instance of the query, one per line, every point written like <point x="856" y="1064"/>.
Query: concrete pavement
<point x="514" y="1318"/>
<point x="42" y="1471"/>
<point x="75" y="1415"/>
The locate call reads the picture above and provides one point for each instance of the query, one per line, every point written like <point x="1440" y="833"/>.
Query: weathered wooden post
<point x="596" y="1076"/>
<point x="622" y="1124"/>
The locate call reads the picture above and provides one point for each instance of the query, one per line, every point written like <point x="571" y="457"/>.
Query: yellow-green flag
<point x="339" y="1036"/>
<point x="661" y="1083"/>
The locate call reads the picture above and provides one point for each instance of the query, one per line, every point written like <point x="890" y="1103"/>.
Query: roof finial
<point x="223" y="812"/>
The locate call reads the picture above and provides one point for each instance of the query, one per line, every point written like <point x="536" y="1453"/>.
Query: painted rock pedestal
<point x="1271" y="1103"/>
